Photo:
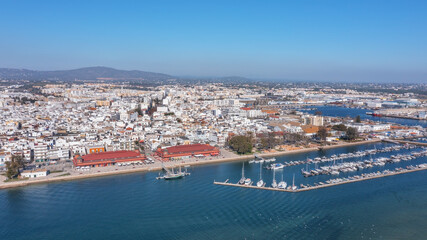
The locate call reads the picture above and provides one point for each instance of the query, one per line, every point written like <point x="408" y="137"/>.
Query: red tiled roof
<point x="110" y="155"/>
<point x="190" y="148"/>
<point x="269" y="111"/>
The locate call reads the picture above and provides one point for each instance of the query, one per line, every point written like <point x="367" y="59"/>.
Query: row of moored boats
<point x="365" y="176"/>
<point x="334" y="157"/>
<point x="357" y="154"/>
<point x="278" y="185"/>
<point x="359" y="165"/>
<point x="262" y="160"/>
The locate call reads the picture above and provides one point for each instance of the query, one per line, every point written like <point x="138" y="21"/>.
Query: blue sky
<point x="303" y="40"/>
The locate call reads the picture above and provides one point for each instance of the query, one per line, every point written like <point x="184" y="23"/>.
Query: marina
<point x="359" y="166"/>
<point x="151" y="203"/>
<point x="333" y="182"/>
<point x="340" y="157"/>
<point x="335" y="169"/>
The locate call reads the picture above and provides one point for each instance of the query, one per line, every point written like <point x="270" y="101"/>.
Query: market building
<point x="104" y="159"/>
<point x="186" y="151"/>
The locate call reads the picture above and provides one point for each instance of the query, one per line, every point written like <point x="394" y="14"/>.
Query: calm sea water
<point x="137" y="206"/>
<point x="336" y="111"/>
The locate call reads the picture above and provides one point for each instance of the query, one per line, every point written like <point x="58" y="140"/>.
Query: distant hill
<point x="88" y="73"/>
<point x="106" y="74"/>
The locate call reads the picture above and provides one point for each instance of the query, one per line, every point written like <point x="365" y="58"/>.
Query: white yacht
<point x="258" y="159"/>
<point x="277" y="166"/>
<point x="270" y="160"/>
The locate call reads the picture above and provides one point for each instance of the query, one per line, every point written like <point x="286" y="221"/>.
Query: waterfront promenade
<point x="226" y="156"/>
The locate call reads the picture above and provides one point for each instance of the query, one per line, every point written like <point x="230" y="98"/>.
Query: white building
<point x="40" y="152"/>
<point x="374" y="104"/>
<point x="381" y="127"/>
<point x="162" y="109"/>
<point x="34" y="173"/>
<point x="313" y="120"/>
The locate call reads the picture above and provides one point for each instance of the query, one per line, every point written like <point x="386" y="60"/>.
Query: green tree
<point x="241" y="144"/>
<point x="14" y="165"/>
<point x="358" y="120"/>
<point x="339" y="127"/>
<point x="19" y="159"/>
<point x="268" y="141"/>
<point x="11" y="170"/>
<point x="294" y="137"/>
<point x="322" y="133"/>
<point x="139" y="110"/>
<point x="352" y="133"/>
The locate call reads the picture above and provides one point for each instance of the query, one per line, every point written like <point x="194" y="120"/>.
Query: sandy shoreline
<point x="170" y="164"/>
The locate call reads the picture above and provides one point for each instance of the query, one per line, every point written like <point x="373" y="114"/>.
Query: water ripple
<point x="136" y="206"/>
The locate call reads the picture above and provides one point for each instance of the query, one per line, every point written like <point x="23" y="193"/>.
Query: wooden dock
<point x="414" y="143"/>
<point x="319" y="186"/>
<point x="399" y="141"/>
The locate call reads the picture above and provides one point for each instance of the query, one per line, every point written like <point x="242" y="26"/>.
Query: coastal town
<point x="172" y="120"/>
<point x="60" y="131"/>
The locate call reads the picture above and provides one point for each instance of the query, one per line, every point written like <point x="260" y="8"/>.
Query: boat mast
<point x="274" y="175"/>
<point x="243" y="170"/>
<point x="293" y="181"/>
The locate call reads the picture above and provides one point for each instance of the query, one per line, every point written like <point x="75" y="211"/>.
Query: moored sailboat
<point x="293" y="183"/>
<point x="282" y="184"/>
<point x="260" y="183"/>
<point x="274" y="183"/>
<point x="242" y="180"/>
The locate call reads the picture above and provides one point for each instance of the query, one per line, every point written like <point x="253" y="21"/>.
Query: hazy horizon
<point x="328" y="41"/>
<point x="284" y="79"/>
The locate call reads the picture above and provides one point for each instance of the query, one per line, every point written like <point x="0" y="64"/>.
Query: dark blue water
<point x="335" y="111"/>
<point x="136" y="206"/>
